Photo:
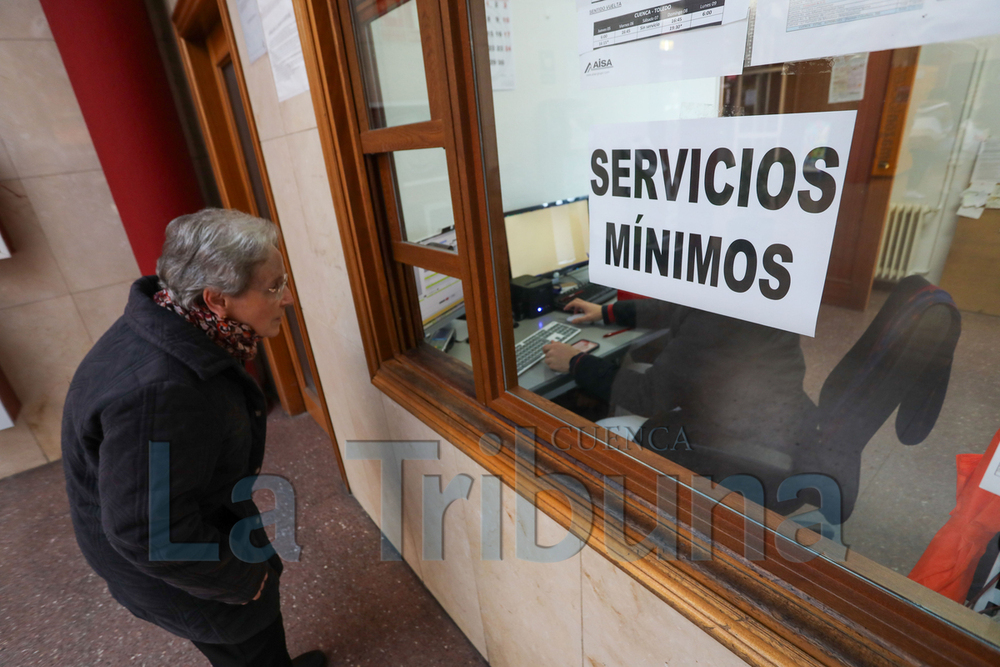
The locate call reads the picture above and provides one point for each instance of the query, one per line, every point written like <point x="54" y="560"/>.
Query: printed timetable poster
<point x="787" y="30"/>
<point x="624" y="42"/>
<point x="735" y="216"/>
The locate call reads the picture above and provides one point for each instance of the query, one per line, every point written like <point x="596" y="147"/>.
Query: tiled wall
<point x="579" y="612"/>
<point x="69" y="276"/>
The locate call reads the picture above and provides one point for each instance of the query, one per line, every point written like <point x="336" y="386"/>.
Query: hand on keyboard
<point x="529" y="350"/>
<point x="558" y="356"/>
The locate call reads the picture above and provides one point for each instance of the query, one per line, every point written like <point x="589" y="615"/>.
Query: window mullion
<point x="430" y="134"/>
<point x="469" y="190"/>
<point x="357" y="77"/>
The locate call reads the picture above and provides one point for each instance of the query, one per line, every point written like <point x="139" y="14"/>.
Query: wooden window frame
<point x="769" y="613"/>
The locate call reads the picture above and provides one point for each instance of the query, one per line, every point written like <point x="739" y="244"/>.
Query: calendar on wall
<point x="501" y="43"/>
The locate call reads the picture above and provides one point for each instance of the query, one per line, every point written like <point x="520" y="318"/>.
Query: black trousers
<point x="264" y="649"/>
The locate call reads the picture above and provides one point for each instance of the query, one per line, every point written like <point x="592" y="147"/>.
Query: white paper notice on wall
<point x="499" y="34"/>
<point x="847" y="78"/>
<point x="788" y="30"/>
<point x="987" y="169"/>
<point x="253" y="31"/>
<point x="736" y="10"/>
<point x="735" y="216"/>
<point x="624" y="42"/>
<point x="282" y="37"/>
<point x="4" y="250"/>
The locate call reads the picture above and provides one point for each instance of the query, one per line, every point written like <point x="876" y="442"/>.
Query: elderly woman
<point x="162" y="407"/>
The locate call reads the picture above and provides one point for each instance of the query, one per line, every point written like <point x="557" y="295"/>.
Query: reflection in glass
<point x="246" y="144"/>
<point x="884" y="399"/>
<point x="424" y="194"/>
<point x="725" y="397"/>
<point x="442" y="313"/>
<point x="392" y="63"/>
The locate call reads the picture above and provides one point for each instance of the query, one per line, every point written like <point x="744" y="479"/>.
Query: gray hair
<point x="215" y="248"/>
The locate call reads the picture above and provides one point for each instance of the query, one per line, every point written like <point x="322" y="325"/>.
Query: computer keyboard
<point x="529" y="351"/>
<point x="591" y="292"/>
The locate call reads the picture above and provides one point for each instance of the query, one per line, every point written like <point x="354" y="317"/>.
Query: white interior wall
<point x="955" y="104"/>
<point x="543" y="124"/>
<point x="71" y="266"/>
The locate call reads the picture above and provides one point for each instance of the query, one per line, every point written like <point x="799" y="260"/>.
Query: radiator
<point x="901" y="229"/>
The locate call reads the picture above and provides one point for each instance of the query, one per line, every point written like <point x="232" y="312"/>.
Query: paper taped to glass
<point x="735" y="216"/>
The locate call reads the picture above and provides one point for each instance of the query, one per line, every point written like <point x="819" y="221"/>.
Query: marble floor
<point x="340" y="597"/>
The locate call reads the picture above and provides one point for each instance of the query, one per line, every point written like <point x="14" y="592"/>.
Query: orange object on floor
<point x="949" y="562"/>
<point x="965" y="465"/>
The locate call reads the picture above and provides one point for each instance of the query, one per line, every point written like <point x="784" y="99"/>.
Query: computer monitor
<point x="547" y="238"/>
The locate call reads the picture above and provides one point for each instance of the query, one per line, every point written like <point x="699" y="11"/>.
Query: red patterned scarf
<point x="236" y="338"/>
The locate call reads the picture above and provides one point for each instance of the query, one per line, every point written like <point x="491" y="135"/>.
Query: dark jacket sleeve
<point x="605" y="380"/>
<point x="597" y="376"/>
<point x="649" y="314"/>
<point x="593" y="374"/>
<point x="197" y="436"/>
<point x="621" y="313"/>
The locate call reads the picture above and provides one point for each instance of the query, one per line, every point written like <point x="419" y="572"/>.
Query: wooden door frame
<point x="874" y="152"/>
<point x="194" y="23"/>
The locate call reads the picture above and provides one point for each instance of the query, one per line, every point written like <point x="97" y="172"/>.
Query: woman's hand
<point x="558" y="355"/>
<point x="590" y="312"/>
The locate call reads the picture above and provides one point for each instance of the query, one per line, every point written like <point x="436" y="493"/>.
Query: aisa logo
<point x="598" y="65"/>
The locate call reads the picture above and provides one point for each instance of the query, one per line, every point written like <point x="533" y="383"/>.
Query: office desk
<point x="540" y="378"/>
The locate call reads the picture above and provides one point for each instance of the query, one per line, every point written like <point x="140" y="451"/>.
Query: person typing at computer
<point x="722" y="396"/>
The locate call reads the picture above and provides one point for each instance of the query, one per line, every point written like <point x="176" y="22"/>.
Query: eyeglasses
<point x="279" y="291"/>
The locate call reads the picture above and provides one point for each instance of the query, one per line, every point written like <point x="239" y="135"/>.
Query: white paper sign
<point x="253" y="31"/>
<point x="975" y="198"/>
<point x="847" y="78"/>
<point x="624" y="42"/>
<point x="499" y="34"/>
<point x="736" y="10"/>
<point x="436" y="292"/>
<point x="4" y="250"/>
<point x="970" y="212"/>
<point x="730" y="215"/>
<point x="991" y="478"/>
<point x="282" y="36"/>
<point x="987" y="169"/>
<point x="788" y="30"/>
<point x="993" y="201"/>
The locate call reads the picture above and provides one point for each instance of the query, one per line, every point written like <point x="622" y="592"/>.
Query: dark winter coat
<point x="154" y="377"/>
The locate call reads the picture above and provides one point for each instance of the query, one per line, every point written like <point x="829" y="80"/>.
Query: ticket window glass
<point x="859" y="414"/>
